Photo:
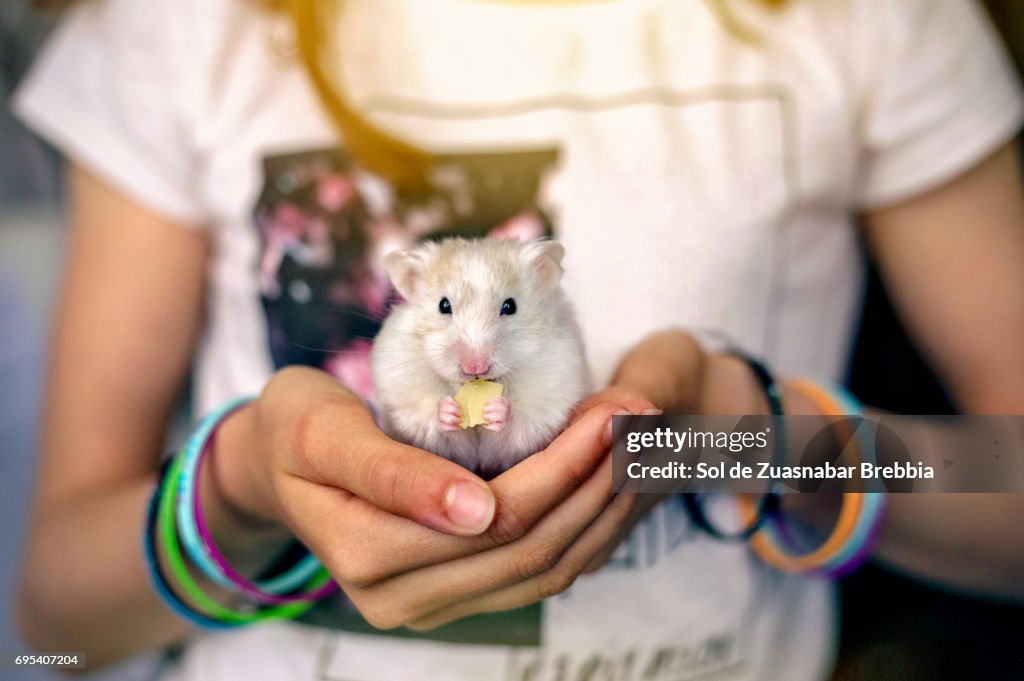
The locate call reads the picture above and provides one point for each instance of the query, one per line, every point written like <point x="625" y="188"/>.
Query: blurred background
<point x="892" y="628"/>
<point x="31" y="249"/>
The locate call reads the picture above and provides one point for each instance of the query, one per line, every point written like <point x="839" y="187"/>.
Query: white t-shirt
<point x="696" y="180"/>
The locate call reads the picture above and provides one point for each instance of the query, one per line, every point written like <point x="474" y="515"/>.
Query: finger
<point x="529" y="490"/>
<point x="553" y="582"/>
<point x="360" y="544"/>
<point x="413" y="595"/>
<point x="589" y="402"/>
<point x="642" y="508"/>
<point x="363" y="545"/>
<point x="598" y="561"/>
<point x="627" y="398"/>
<point x="401" y="479"/>
<point x="338" y="444"/>
<point x="357" y="542"/>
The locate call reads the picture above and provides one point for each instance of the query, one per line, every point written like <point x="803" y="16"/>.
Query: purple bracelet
<point x="243" y="584"/>
<point x="861" y="542"/>
<point x="877" y="502"/>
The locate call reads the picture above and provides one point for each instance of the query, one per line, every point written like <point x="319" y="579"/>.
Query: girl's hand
<point x="670" y="372"/>
<point x="414" y="539"/>
<point x="661" y="373"/>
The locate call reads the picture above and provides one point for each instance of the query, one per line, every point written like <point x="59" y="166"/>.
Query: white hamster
<point x="482" y="308"/>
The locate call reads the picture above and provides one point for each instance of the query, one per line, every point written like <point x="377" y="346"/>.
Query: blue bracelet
<point x="870" y="522"/>
<point x="852" y="407"/>
<point x="853" y="554"/>
<point x="156" y="574"/>
<point x="292" y="579"/>
<point x="856" y="549"/>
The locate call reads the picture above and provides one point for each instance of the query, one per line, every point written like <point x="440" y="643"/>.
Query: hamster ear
<point x="546" y="259"/>
<point x="405" y="268"/>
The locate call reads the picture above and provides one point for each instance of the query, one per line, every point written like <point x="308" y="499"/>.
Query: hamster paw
<point x="496" y="413"/>
<point x="449" y="414"/>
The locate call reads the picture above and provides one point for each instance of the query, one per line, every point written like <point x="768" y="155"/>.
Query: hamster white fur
<point x="533" y="347"/>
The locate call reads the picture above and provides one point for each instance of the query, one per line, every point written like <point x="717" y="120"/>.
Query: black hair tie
<point x="769" y="504"/>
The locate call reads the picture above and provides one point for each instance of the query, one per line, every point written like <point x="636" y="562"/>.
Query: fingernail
<point x="606" y="436"/>
<point x="652" y="412"/>
<point x="468" y="506"/>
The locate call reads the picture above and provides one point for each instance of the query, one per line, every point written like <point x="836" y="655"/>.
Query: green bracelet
<point x="179" y="570"/>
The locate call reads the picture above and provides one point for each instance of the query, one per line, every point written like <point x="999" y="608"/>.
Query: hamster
<point x="484" y="308"/>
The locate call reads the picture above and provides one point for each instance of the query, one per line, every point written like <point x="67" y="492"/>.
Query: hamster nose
<point x="475" y="364"/>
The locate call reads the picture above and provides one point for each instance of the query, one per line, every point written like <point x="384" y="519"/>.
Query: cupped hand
<point x="414" y="539"/>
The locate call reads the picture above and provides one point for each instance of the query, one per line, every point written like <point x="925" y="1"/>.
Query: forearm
<point x="85" y="584"/>
<point x="969" y="542"/>
<point x="973" y="542"/>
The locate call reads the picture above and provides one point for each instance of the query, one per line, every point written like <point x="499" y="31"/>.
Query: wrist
<point x="797" y="402"/>
<point x="730" y="387"/>
<point x="231" y="490"/>
<point x="666" y="367"/>
<point x="188" y="520"/>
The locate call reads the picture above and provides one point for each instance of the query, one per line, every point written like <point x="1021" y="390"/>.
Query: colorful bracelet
<point x="243" y="585"/>
<point x="849" y="543"/>
<point x="156" y="573"/>
<point x="778" y="546"/>
<point x="179" y="570"/>
<point x="767" y="545"/>
<point x="851" y="406"/>
<point x="199" y="543"/>
<point x="693" y="501"/>
<point x="193" y="605"/>
<point x="858" y="548"/>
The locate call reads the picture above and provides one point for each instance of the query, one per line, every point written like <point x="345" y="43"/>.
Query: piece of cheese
<point x="472" y="397"/>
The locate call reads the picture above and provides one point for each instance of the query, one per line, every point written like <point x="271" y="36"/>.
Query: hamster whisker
<point x="327" y="351"/>
<point x="342" y="311"/>
<point x="343" y="351"/>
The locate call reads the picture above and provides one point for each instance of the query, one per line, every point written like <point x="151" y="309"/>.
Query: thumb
<point x="344" y="448"/>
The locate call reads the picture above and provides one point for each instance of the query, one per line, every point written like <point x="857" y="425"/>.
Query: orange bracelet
<point x="850" y="511"/>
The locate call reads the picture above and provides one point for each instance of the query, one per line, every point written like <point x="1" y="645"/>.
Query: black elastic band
<point x="692" y="501"/>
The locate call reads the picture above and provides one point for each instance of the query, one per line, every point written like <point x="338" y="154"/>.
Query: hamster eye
<point x="444" y="306"/>
<point x="508" y="307"/>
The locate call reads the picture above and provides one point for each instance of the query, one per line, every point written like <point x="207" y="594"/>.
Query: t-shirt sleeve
<point x="940" y="95"/>
<point x="109" y="91"/>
